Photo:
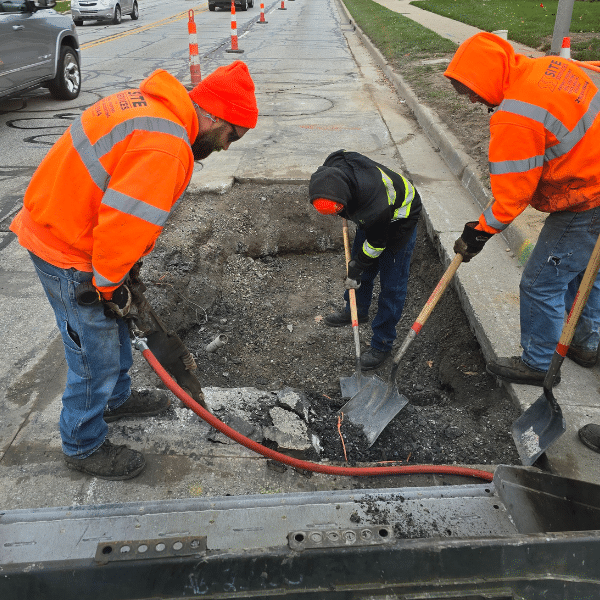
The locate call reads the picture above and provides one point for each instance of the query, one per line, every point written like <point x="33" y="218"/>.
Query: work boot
<point x="514" y="370"/>
<point x="590" y="436"/>
<point x="141" y="403"/>
<point x="341" y="318"/>
<point x="109" y="462"/>
<point x="583" y="357"/>
<point x="373" y="359"/>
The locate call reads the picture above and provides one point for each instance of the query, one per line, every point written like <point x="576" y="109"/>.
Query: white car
<point x="103" y="10"/>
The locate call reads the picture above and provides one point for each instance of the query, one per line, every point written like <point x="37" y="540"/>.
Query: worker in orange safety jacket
<point x="93" y="208"/>
<point x="544" y="153"/>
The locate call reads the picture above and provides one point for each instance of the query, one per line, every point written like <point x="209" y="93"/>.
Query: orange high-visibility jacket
<point x="103" y="193"/>
<point x="544" y="136"/>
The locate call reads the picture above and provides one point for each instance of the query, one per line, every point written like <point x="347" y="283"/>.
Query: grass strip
<point x="396" y="36"/>
<point x="528" y="22"/>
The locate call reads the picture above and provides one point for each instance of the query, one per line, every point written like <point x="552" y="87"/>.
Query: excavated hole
<point x="260" y="266"/>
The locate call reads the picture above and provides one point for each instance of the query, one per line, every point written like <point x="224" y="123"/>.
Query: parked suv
<point x="103" y="10"/>
<point x="38" y="47"/>
<point x="241" y="4"/>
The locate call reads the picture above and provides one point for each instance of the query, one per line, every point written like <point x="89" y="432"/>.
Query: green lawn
<point x="527" y="22"/>
<point x="395" y="35"/>
<point x="63" y="5"/>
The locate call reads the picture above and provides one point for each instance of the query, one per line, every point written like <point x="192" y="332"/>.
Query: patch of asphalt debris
<point x="260" y="268"/>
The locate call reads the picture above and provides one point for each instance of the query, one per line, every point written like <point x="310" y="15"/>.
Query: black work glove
<point x="120" y="303"/>
<point x="471" y="242"/>
<point x="352" y="281"/>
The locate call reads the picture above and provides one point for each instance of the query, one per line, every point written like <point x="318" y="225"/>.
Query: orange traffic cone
<point x="194" y="58"/>
<point x="234" y="38"/>
<point x="262" y="13"/>
<point x="565" y="50"/>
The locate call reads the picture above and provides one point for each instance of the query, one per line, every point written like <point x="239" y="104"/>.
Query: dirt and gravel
<point x="261" y="267"/>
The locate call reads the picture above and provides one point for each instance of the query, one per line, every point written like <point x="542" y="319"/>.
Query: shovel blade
<point x="537" y="429"/>
<point x="373" y="407"/>
<point x="352" y="385"/>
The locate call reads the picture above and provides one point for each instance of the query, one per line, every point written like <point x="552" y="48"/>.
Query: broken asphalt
<point x="321" y="85"/>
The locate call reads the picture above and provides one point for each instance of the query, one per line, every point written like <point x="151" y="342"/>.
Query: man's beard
<point x="203" y="146"/>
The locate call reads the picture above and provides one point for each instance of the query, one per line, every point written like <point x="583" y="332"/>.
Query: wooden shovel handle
<point x="581" y="298"/>
<point x="351" y="293"/>
<point x="425" y="312"/>
<point x="440" y="288"/>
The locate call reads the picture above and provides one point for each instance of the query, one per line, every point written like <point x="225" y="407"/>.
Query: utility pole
<point x="562" y="24"/>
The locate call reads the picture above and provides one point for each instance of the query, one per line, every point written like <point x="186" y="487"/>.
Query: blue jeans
<point x="393" y="272"/>
<point x="99" y="356"/>
<point x="550" y="282"/>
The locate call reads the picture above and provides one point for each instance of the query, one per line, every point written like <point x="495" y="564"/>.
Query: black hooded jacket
<point x="364" y="188"/>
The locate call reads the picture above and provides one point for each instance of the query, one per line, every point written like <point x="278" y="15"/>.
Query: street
<point x="114" y="57"/>
<point x="318" y="89"/>
<point x="245" y="255"/>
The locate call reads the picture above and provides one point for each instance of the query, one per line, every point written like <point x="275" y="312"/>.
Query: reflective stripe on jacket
<point x="544" y="149"/>
<point x="102" y="195"/>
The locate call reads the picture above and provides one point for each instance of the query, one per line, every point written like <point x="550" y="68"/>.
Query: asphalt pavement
<point x="320" y="86"/>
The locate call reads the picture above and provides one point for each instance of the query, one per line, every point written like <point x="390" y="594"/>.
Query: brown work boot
<point x="590" y="435"/>
<point x="141" y="403"/>
<point x="109" y="462"/>
<point x="583" y="357"/>
<point x="514" y="370"/>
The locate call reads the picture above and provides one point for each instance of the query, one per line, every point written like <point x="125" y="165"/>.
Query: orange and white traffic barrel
<point x="262" y="13"/>
<point x="194" y="58"/>
<point x="234" y="37"/>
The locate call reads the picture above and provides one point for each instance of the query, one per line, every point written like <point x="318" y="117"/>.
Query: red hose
<point x="293" y="462"/>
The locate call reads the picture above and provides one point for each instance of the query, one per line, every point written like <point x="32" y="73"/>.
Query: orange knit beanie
<point x="228" y="93"/>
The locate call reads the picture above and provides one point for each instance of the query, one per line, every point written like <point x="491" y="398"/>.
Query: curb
<point x="519" y="240"/>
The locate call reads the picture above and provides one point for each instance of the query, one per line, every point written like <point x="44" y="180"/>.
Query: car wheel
<point x="78" y="22"/>
<point x="67" y="83"/>
<point x="244" y="5"/>
<point x="250" y="3"/>
<point x="135" y="13"/>
<point x="211" y="7"/>
<point x="117" y="16"/>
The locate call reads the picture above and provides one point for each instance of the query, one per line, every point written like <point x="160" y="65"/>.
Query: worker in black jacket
<point x="385" y="206"/>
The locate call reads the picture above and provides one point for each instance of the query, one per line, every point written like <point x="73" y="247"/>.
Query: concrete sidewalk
<point x="319" y="88"/>
<point x="498" y="331"/>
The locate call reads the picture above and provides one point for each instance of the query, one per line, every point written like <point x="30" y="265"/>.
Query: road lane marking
<point x="165" y="21"/>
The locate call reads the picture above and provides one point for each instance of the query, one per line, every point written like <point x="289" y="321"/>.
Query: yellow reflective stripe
<point x="409" y="196"/>
<point x="371" y="250"/>
<point x="409" y="193"/>
<point x="389" y="186"/>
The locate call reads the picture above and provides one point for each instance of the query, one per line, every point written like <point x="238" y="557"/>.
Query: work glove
<point x="471" y="242"/>
<point x="120" y="303"/>
<point x="352" y="281"/>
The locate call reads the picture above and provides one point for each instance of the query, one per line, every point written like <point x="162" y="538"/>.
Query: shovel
<point x="166" y="345"/>
<point x="352" y="385"/>
<point x="378" y="402"/>
<point x="543" y="422"/>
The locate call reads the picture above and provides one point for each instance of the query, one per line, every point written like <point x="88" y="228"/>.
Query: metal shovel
<point x="378" y="402"/>
<point x="543" y="422"/>
<point x="352" y="385"/>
